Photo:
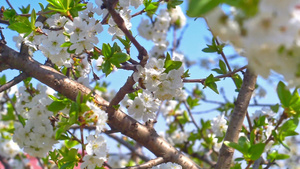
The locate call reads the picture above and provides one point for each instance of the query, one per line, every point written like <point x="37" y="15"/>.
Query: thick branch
<point x="146" y="136"/>
<point x="237" y="119"/>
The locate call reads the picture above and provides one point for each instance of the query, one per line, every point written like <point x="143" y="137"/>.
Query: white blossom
<point x="168" y="165"/>
<point x="219" y="126"/>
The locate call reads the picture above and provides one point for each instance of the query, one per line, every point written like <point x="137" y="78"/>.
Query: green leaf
<point x="25" y="10"/>
<point x="126" y="42"/>
<point x="9" y="114"/>
<point x="284" y="94"/>
<point x="60" y="133"/>
<point x="256" y="150"/>
<point x="192" y="102"/>
<point x="9" y="14"/>
<point x="118" y="58"/>
<point x="210" y="82"/>
<point x="238" y="159"/>
<point x="56" y="106"/>
<point x="106" y="68"/>
<point x="274" y="155"/>
<point x="275" y="108"/>
<point x="21" y="120"/>
<point x="3" y="80"/>
<point x="295" y="103"/>
<point x="289" y="127"/>
<point x="66" y="44"/>
<point x="210" y="49"/>
<point x="170" y="64"/>
<point x="106" y="50"/>
<point x="238" y="81"/>
<point x="55" y="3"/>
<point x="151" y="7"/>
<point x="173" y="3"/>
<point x="71" y="143"/>
<point x="21" y="25"/>
<point x="235" y="146"/>
<point x="42" y="6"/>
<point x="115" y="48"/>
<point x="261" y="122"/>
<point x="184" y="118"/>
<point x="222" y="66"/>
<point x="33" y="19"/>
<point x="84" y="107"/>
<point x="186" y="74"/>
<point x="54" y="155"/>
<point x="197" y="8"/>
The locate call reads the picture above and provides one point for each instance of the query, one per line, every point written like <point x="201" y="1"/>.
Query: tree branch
<point x="229" y="74"/>
<point x="237" y="119"/>
<point x="129" y="146"/>
<point x="148" y="164"/>
<point x="128" y="126"/>
<point x="143" y="55"/>
<point x="13" y="82"/>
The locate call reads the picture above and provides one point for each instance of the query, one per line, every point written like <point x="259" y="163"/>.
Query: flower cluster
<point x="177" y="17"/>
<point x="157" y="32"/>
<point x="270" y="39"/>
<point x="37" y="136"/>
<point x="219" y="126"/>
<point x="8" y="148"/>
<point x="96" y="152"/>
<point x="168" y="165"/>
<point x="169" y="111"/>
<point x="163" y="85"/>
<point x="80" y="33"/>
<point x="97" y="116"/>
<point x="269" y="116"/>
<point x="177" y="137"/>
<point x="143" y="106"/>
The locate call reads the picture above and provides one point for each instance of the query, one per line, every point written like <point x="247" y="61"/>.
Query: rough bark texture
<point x="237" y="119"/>
<point x="143" y="134"/>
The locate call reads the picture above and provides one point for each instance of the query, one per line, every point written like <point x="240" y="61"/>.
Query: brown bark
<point x="237" y="119"/>
<point x="143" y="134"/>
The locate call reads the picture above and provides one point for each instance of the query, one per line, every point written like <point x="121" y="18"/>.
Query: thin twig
<point x="13" y="82"/>
<point x="40" y="162"/>
<point x="221" y="76"/>
<point x="82" y="141"/>
<point x="10" y="5"/>
<point x="3" y="41"/>
<point x="249" y="122"/>
<point x="129" y="146"/>
<point x="74" y="137"/>
<point x="191" y="115"/>
<point x="223" y="56"/>
<point x="138" y="13"/>
<point x="143" y="55"/>
<point x="148" y="164"/>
